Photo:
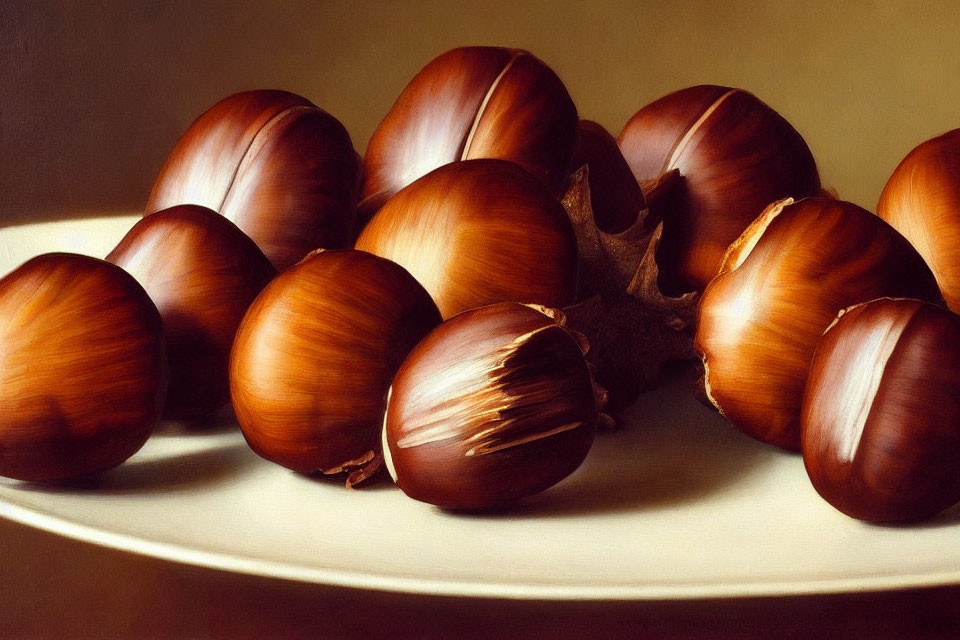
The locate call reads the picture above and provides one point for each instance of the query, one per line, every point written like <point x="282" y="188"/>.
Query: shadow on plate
<point x="671" y="450"/>
<point x="180" y="472"/>
<point x="223" y="421"/>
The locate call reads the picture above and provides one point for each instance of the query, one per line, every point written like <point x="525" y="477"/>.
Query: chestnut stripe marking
<point x="483" y="106"/>
<point x="685" y="140"/>
<point x="490" y="447"/>
<point x="858" y="387"/>
<point x="478" y="404"/>
<point x="255" y="140"/>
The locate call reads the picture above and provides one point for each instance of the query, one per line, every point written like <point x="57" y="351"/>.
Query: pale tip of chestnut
<point x="385" y="447"/>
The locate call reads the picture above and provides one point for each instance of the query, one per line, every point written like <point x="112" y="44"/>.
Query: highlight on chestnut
<point x="881" y="413"/>
<point x="202" y="273"/>
<point x="276" y="165"/>
<point x="315" y="354"/>
<point x="735" y="156"/>
<point x="494" y="405"/>
<point x="478" y="232"/>
<point x="83" y="371"/>
<point x="472" y="102"/>
<point x="780" y="285"/>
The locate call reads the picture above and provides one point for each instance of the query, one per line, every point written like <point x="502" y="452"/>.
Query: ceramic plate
<point x="675" y="505"/>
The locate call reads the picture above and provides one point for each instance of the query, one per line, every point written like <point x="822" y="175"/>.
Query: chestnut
<point x="881" y="413"/>
<point x="495" y="404"/>
<point x="472" y="102"/>
<point x="276" y="165"/>
<point x="735" y="155"/>
<point x="921" y="200"/>
<point x="478" y="232"/>
<point x="314" y="357"/>
<point x="780" y="285"/>
<point x="202" y="273"/>
<point x="82" y="368"/>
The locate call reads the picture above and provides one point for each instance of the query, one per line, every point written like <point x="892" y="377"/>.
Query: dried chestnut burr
<point x="881" y="412"/>
<point x="314" y="357"/>
<point x="82" y="368"/>
<point x="202" y="273"/>
<point x="780" y="285"/>
<point x="495" y="404"/>
<point x="616" y="198"/>
<point x="472" y="102"/>
<point x="735" y="155"/>
<point x="921" y="200"/>
<point x="478" y="232"/>
<point x="277" y="166"/>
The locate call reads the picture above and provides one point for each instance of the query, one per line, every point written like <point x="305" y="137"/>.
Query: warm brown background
<point x="93" y="95"/>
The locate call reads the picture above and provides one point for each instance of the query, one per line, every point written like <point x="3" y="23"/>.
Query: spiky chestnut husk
<point x="82" y="367"/>
<point x="314" y="356"/>
<point x="494" y="405"/>
<point x="881" y="414"/>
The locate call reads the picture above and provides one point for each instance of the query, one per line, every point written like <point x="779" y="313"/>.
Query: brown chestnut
<point x="314" y="357"/>
<point x="780" y="285"/>
<point x="735" y="154"/>
<point x="277" y="166"/>
<point x="495" y="404"/>
<point x="478" y="232"/>
<point x="921" y="200"/>
<point x="472" y="102"/>
<point x="202" y="273"/>
<point x="881" y="412"/>
<point x="82" y="368"/>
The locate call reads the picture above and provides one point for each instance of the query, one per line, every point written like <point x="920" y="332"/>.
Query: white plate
<point x="677" y="505"/>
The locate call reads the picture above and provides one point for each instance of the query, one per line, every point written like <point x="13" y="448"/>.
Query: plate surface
<point x="676" y="505"/>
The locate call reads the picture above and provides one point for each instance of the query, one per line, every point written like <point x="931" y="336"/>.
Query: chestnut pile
<point x="462" y="306"/>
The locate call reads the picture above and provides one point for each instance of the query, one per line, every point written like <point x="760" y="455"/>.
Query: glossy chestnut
<point x="881" y="412"/>
<point x="780" y="285"/>
<point x="202" y="273"/>
<point x="472" y="102"/>
<point x="82" y="367"/>
<point x="478" y="232"/>
<point x="494" y="405"/>
<point x="314" y="357"/>
<point x="921" y="200"/>
<point x="277" y="166"/>
<point x="735" y="155"/>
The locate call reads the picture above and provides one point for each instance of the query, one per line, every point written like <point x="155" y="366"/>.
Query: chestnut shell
<point x="478" y="232"/>
<point x="921" y="200"/>
<point x="315" y="354"/>
<point x="276" y="165"/>
<point x="472" y="102"/>
<point x="202" y="273"/>
<point x="494" y="405"/>
<point x="881" y="412"/>
<point x="736" y="155"/>
<point x="82" y="367"/>
<point x="779" y="287"/>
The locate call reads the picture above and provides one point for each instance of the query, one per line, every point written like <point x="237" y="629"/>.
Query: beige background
<point x="94" y="94"/>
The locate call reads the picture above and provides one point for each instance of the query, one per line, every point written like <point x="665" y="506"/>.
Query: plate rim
<point x="370" y="581"/>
